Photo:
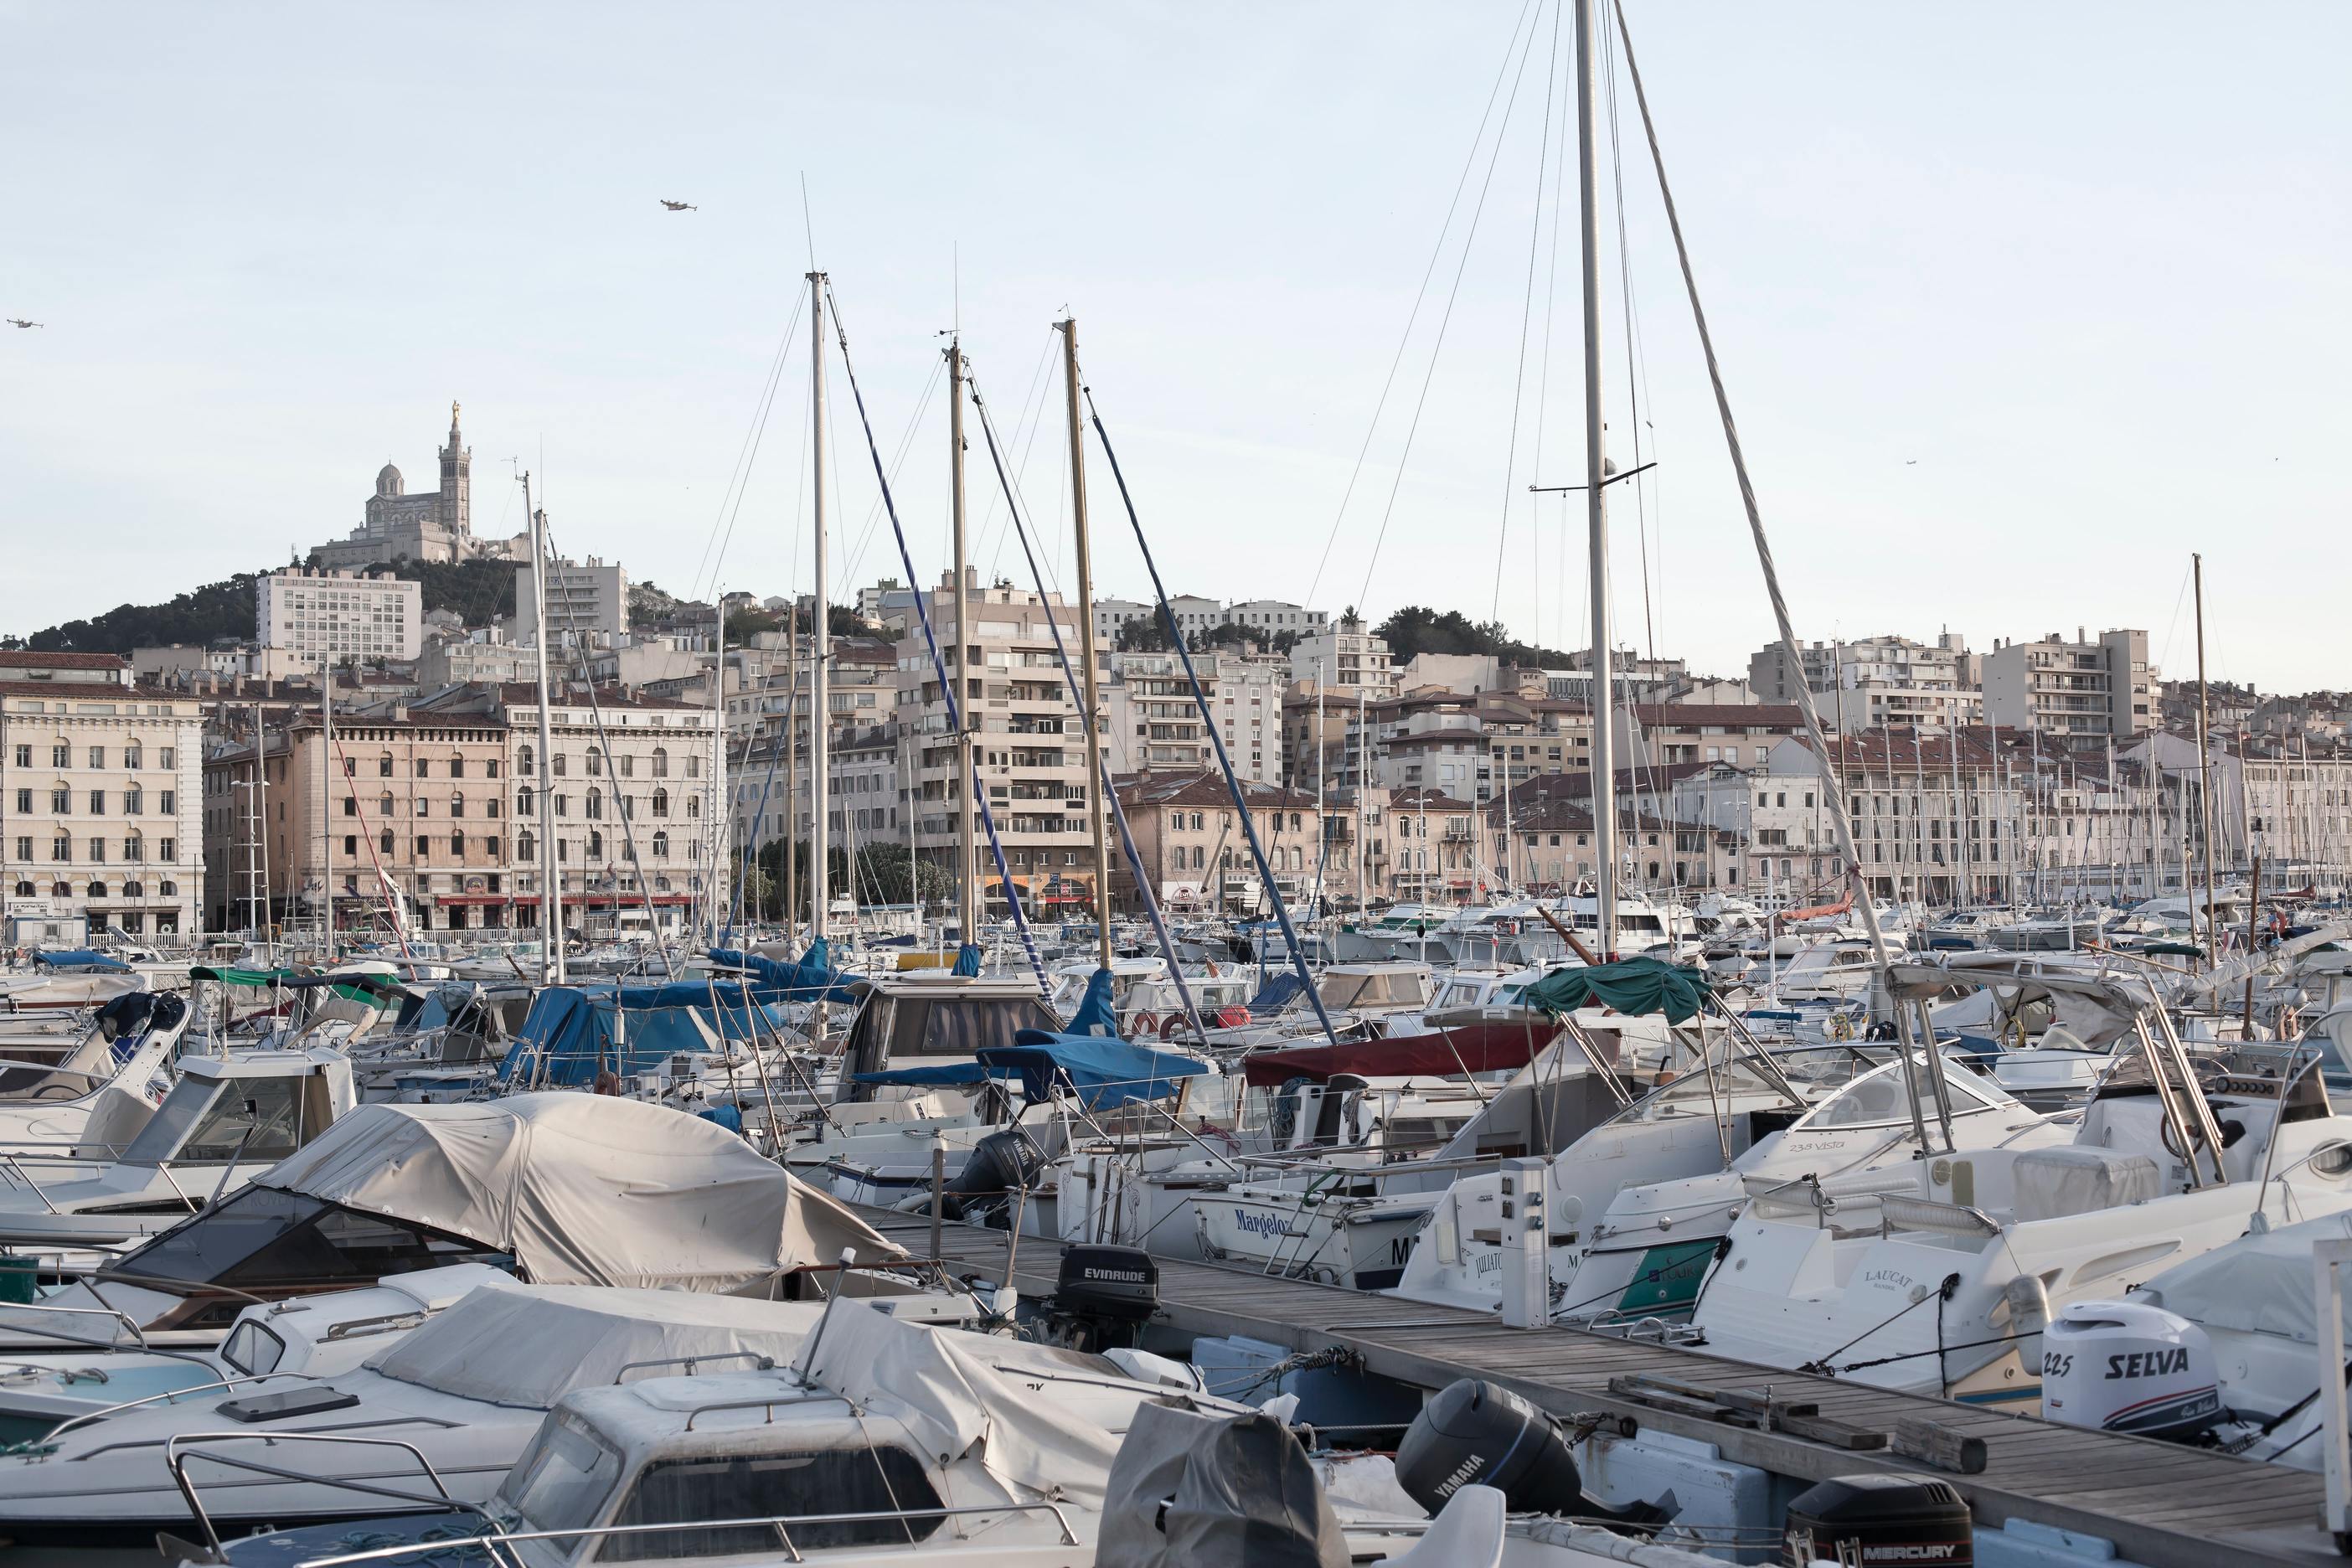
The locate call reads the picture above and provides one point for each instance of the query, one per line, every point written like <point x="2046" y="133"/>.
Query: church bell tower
<point x="456" y="510"/>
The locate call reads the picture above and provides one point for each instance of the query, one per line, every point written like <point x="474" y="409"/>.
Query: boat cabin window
<point x="880" y="1478"/>
<point x="252" y="1348"/>
<point x="262" y="1238"/>
<point x="1878" y="1100"/>
<point x="895" y="1028"/>
<point x="563" y="1477"/>
<point x="208" y="1118"/>
<point x="1381" y="988"/>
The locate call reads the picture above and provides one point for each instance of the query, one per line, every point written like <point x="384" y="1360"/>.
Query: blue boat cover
<point x="1102" y="1073"/>
<point x="1098" y="1014"/>
<point x="967" y="962"/>
<point x="813" y="979"/>
<point x="1276" y="994"/>
<point x="81" y="958"/>
<point x="568" y="1035"/>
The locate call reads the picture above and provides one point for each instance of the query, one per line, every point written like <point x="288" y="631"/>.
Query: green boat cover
<point x="1633" y="985"/>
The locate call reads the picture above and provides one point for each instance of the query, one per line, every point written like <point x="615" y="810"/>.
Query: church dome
<point x="388" y="481"/>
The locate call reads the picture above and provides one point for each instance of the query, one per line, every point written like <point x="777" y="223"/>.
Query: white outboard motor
<point x="2119" y="1366"/>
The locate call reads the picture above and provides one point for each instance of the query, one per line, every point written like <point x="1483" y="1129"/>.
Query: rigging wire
<point x="1469" y="160"/>
<point x="1526" y="316"/>
<point x="1437" y="349"/>
<point x="722" y="526"/>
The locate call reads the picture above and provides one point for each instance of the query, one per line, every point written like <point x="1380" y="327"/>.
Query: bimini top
<point x="582" y="1189"/>
<point x="85" y="959"/>
<point x="1631" y="985"/>
<point x="529" y="1345"/>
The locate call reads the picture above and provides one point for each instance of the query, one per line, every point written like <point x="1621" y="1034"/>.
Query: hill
<point x="480" y="591"/>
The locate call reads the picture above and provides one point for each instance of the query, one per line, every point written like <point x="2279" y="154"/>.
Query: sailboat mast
<point x="550" y="889"/>
<point x="820" y="710"/>
<point x="1097" y="780"/>
<point x="961" y="789"/>
<point x="1604" y="759"/>
<point x="2205" y="766"/>
<point x="326" y="800"/>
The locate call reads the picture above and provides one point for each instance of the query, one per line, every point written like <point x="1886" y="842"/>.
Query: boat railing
<point x="166" y="1397"/>
<point x="176" y="1461"/>
<point x="783" y="1524"/>
<point x="10" y="1321"/>
<point x="759" y="1363"/>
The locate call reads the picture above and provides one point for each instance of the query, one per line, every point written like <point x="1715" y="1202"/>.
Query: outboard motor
<point x="2121" y="1366"/>
<point x="1104" y="1296"/>
<point x="998" y="1163"/>
<point x="1474" y="1432"/>
<point x="1879" y="1519"/>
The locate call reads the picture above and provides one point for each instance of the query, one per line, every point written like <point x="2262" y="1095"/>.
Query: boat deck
<point x="2160" y="1504"/>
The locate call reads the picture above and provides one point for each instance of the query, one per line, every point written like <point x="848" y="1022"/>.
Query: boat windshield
<point x="1741" y="1080"/>
<point x="880" y="1478"/>
<point x="1381" y="988"/>
<point x="263" y="1240"/>
<point x="563" y="1477"/>
<point x="257" y="1119"/>
<point x="1879" y="1098"/>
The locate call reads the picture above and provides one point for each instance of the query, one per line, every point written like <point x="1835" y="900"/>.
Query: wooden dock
<point x="2160" y="1504"/>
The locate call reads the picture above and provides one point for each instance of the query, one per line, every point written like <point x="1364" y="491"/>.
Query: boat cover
<point x="570" y="1035"/>
<point x="1445" y="1054"/>
<point x="1102" y="1073"/>
<point x="2259" y="1284"/>
<point x="81" y="958"/>
<point x="811" y="979"/>
<point x="1276" y="994"/>
<point x="967" y="961"/>
<point x="954" y="1390"/>
<point x="256" y="978"/>
<point x="1234" y="1490"/>
<point x="583" y="1190"/>
<point x="530" y="1346"/>
<point x="1636" y="986"/>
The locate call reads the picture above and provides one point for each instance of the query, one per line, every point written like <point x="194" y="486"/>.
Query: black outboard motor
<point x="1879" y="1519"/>
<point x="1104" y="1296"/>
<point x="1476" y="1432"/>
<point x="998" y="1163"/>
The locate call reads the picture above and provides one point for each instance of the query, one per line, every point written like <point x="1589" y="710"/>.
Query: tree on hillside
<point x="1416" y="629"/>
<point x="1144" y="635"/>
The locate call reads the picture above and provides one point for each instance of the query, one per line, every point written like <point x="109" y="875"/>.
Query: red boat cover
<point x="1479" y="1048"/>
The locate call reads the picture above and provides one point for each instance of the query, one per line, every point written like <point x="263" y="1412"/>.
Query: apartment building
<point x="2082" y="693"/>
<point x="1741" y="734"/>
<point x="346" y="616"/>
<point x="1029" y="742"/>
<point x="99" y="815"/>
<point x="1188" y="840"/>
<point x="1874" y="682"/>
<point x="1344" y="657"/>
<point x="1155" y="720"/>
<point x="583" y="601"/>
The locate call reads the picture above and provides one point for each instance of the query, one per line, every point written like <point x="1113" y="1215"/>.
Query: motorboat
<point x="101" y="1093"/>
<point x="2173" y="1157"/>
<point x="443" y="1039"/>
<point x="229" y="1119"/>
<point x="556" y="1188"/>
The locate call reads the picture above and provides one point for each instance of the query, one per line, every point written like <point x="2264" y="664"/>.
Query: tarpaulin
<point x="811" y="979"/>
<point x="1637" y="986"/>
<point x="573" y="1033"/>
<point x="1098" y="1014"/>
<point x="1102" y="1073"/>
<point x="81" y="958"/>
<point x="967" y="961"/>
<point x="1448" y="1053"/>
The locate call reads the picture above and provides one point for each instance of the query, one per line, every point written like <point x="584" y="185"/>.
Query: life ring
<point x="1145" y="1023"/>
<point x="1170" y="1025"/>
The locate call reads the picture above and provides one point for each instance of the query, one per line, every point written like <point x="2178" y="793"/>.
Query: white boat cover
<point x="2073" y="1179"/>
<point x="2260" y="1284"/>
<point x="584" y="1189"/>
<point x="529" y="1345"/>
<point x="945" y="1386"/>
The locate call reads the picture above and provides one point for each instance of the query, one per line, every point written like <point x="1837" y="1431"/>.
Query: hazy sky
<point x="2017" y="305"/>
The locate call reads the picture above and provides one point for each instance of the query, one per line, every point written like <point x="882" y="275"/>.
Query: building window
<point x="167" y="850"/>
<point x="423" y="806"/>
<point x="694" y="764"/>
<point x="95" y="890"/>
<point x="61" y="755"/>
<point x="557" y="764"/>
<point x="384" y="806"/>
<point x="98" y="803"/>
<point x="661" y="762"/>
<point x="525" y="846"/>
<point x="456" y="805"/>
<point x="164" y="757"/>
<point x="61" y="801"/>
<point x="134" y="848"/>
<point x="456" y="767"/>
<point x="595" y="844"/>
<point x="424" y="848"/>
<point x="384" y="842"/>
<point x="351" y="844"/>
<point x="456" y="846"/>
<point x="383" y="766"/>
<point x="134" y="801"/>
<point x="131" y="757"/>
<point x="522" y="803"/>
<point x="523" y="764"/>
<point x="661" y="803"/>
<point x="661" y="845"/>
<point x="628" y="766"/>
<point x="595" y="763"/>
<point x="25" y="756"/>
<point x="423" y="768"/>
<point x="596" y="803"/>
<point x="98" y="851"/>
<point x="350" y="806"/>
<point x="98" y="756"/>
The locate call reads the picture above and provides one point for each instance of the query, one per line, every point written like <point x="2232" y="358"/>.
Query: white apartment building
<point x="1345" y="656"/>
<point x="344" y="615"/>
<point x="1877" y="682"/>
<point x="1029" y="742"/>
<point x="582" y="601"/>
<point x="2084" y="692"/>
<point x="99" y="815"/>
<point x="1155" y="724"/>
<point x="1270" y="617"/>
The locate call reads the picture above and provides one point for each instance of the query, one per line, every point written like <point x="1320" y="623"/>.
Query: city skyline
<point x="1937" y="243"/>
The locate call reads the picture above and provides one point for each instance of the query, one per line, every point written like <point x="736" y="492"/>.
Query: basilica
<point x="436" y="525"/>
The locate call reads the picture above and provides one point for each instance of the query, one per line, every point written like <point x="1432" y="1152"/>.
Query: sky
<point x="2017" y="306"/>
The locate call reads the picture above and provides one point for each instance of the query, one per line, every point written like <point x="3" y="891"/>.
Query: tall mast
<point x="550" y="885"/>
<point x="1363" y="796"/>
<point x="792" y="743"/>
<point x="326" y="798"/>
<point x="721" y="809"/>
<point x="257" y="858"/>
<point x="1604" y="744"/>
<point x="961" y="789"/>
<point x="1098" y="779"/>
<point x="2205" y="766"/>
<point x="1321" y="832"/>
<point x="820" y="841"/>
